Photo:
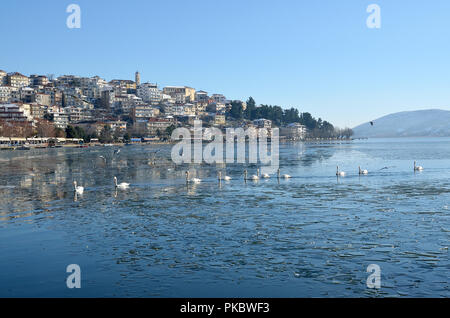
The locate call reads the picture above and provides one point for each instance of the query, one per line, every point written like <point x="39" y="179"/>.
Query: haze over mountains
<point x="420" y="123"/>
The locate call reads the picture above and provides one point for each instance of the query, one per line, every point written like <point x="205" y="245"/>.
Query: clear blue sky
<point x="318" y="56"/>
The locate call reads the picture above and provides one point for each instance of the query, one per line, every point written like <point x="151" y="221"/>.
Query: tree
<point x="106" y="135"/>
<point x="251" y="109"/>
<point x="71" y="132"/>
<point x="60" y="133"/>
<point x="80" y="133"/>
<point x="45" y="128"/>
<point x="170" y="129"/>
<point x="49" y="117"/>
<point x="237" y="110"/>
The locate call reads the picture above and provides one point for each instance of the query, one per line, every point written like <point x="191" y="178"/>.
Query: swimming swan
<point x="255" y="177"/>
<point x="363" y="171"/>
<point x="417" y="168"/>
<point x="226" y="178"/>
<point x="339" y="173"/>
<point x="194" y="180"/>
<point x="77" y="189"/>
<point x="285" y="176"/>
<point x="122" y="185"/>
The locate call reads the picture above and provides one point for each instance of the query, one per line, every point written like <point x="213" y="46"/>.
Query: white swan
<point x="363" y="171"/>
<point x="122" y="185"/>
<point x="194" y="180"/>
<point x="417" y="168"/>
<point x="226" y="178"/>
<point x="255" y="177"/>
<point x="265" y="176"/>
<point x="77" y="189"/>
<point x="284" y="176"/>
<point x="339" y="173"/>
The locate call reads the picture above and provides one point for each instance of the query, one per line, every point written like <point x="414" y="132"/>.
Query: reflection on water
<point x="312" y="235"/>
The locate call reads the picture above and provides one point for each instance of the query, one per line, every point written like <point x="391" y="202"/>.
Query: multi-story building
<point x="144" y="112"/>
<point x="216" y="107"/>
<point x="17" y="80"/>
<point x="37" y="111"/>
<point x="65" y="80"/>
<point x="200" y="107"/>
<point x="73" y="97"/>
<point x="182" y="94"/>
<point x="155" y="124"/>
<point x="5" y="93"/>
<point x="77" y="114"/>
<point x="55" y="95"/>
<point x="175" y="110"/>
<point x="189" y="109"/>
<point x="295" y="131"/>
<point x="38" y="80"/>
<point x="123" y="87"/>
<point x="43" y="99"/>
<point x="26" y="94"/>
<point x="125" y="103"/>
<point x="149" y="93"/>
<point x="92" y="87"/>
<point x="219" y="98"/>
<point x="15" y="113"/>
<point x="219" y="120"/>
<point x="201" y="96"/>
<point x="3" y="78"/>
<point x="117" y="125"/>
<point x="108" y="98"/>
<point x="60" y="118"/>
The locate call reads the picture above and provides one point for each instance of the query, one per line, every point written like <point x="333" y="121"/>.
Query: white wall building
<point x="149" y="93"/>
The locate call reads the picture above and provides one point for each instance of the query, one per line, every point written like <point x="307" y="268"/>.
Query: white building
<point x="17" y="80"/>
<point x="294" y="131"/>
<point x="144" y="112"/>
<point x="15" y="112"/>
<point x="5" y="93"/>
<point x="219" y="98"/>
<point x="149" y="93"/>
<point x="60" y="118"/>
<point x="3" y="78"/>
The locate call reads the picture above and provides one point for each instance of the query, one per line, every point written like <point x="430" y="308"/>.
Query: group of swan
<point x="254" y="177"/>
<point x="343" y="173"/>
<point x="257" y="176"/>
<point x="123" y="186"/>
<point x="79" y="189"/>
<point x="366" y="172"/>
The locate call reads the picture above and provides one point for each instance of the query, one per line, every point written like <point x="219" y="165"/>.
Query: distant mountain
<point x="420" y="123"/>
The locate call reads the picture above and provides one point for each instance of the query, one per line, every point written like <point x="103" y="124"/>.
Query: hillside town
<point x="90" y="108"/>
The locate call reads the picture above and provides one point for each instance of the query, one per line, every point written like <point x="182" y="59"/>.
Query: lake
<point x="313" y="235"/>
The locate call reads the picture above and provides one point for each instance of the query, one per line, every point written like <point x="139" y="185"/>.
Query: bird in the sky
<point x="371" y="123"/>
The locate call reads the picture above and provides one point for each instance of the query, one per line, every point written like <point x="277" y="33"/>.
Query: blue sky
<point x="317" y="56"/>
